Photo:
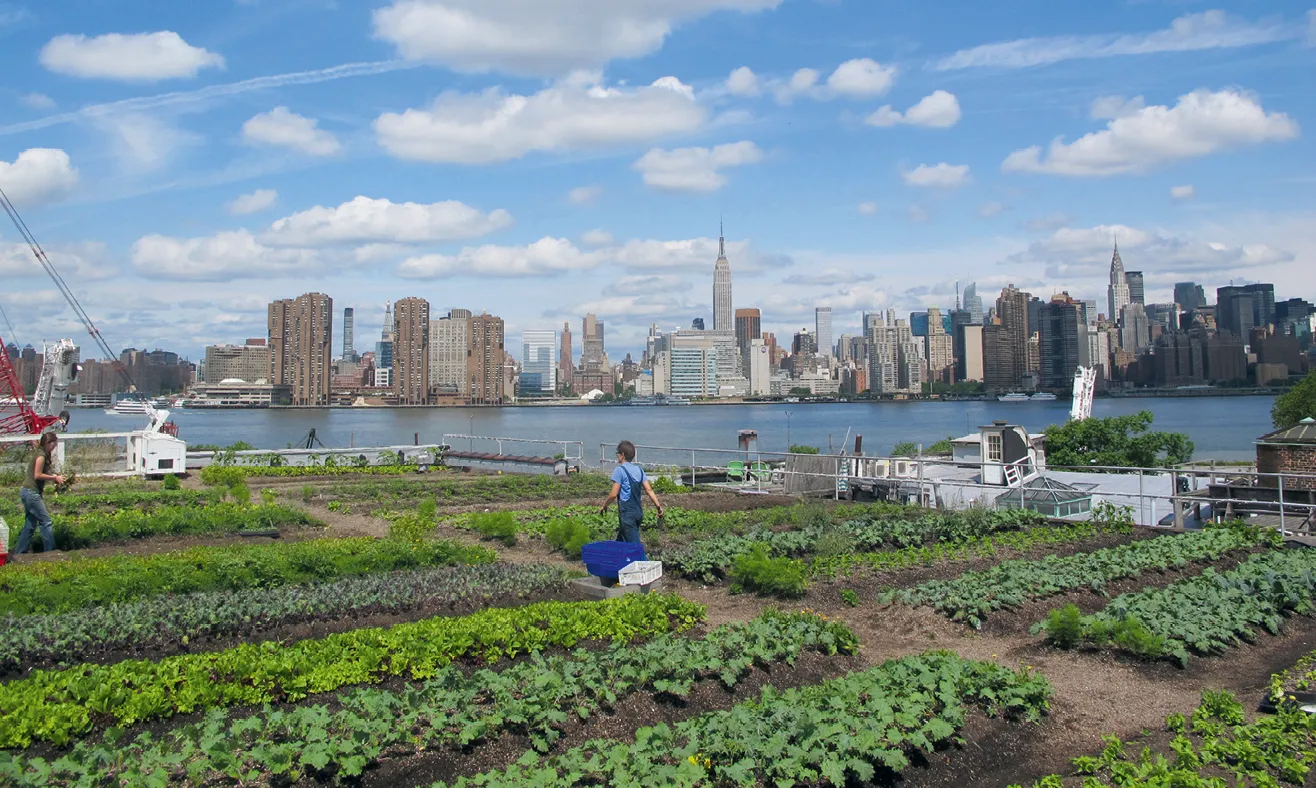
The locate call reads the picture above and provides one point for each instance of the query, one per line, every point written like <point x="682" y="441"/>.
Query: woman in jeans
<point x="628" y="484"/>
<point x="34" y="506"/>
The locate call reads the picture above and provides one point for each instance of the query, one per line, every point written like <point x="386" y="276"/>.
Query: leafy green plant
<point x="797" y="448"/>
<point x="664" y="485"/>
<point x="759" y="573"/>
<point x="308" y="493"/>
<point x="568" y="535"/>
<point x="411" y="528"/>
<point x="72" y="533"/>
<point x="171" y="482"/>
<point x="240" y="494"/>
<point x="1110" y="515"/>
<point x="498" y="526"/>
<point x="850" y="597"/>
<point x="428" y="508"/>
<point x="268" y="497"/>
<point x="1063" y="627"/>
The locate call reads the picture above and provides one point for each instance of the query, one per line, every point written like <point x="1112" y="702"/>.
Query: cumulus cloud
<point x="254" y="202"/>
<point x="544" y="257"/>
<point x="79" y="262"/>
<point x="647" y="285"/>
<point x="938" y="110"/>
<point x="366" y="220"/>
<point x="596" y="238"/>
<point x="141" y="57"/>
<point x="860" y="78"/>
<point x="283" y="128"/>
<point x="1201" y="123"/>
<point x="37" y="176"/>
<point x="829" y="277"/>
<point x="743" y="82"/>
<point x="574" y="114"/>
<point x="1191" y="32"/>
<point x="867" y="208"/>
<point x="1183" y="192"/>
<point x="538" y="38"/>
<point x="695" y="169"/>
<point x="941" y="176"/>
<point x="218" y="258"/>
<point x="584" y="195"/>
<point x="619" y="306"/>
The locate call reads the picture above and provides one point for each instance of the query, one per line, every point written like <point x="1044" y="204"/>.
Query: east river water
<point x="1222" y="428"/>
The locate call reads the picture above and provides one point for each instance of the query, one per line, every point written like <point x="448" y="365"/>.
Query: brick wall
<point x="1287" y="459"/>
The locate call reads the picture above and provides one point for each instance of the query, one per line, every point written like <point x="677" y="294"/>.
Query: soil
<point x="166" y="544"/>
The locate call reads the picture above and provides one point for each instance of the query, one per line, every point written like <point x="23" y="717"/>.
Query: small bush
<point x="428" y="508"/>
<point x="268" y="497"/>
<point x="499" y="526"/>
<point x="171" y="482"/>
<point x="410" y="528"/>
<point x="308" y="493"/>
<point x="1064" y="627"/>
<point x="833" y="544"/>
<point x="665" y="486"/>
<point x="849" y="597"/>
<point x="567" y="535"/>
<point x="1133" y="636"/>
<point x="757" y="572"/>
<point x="240" y="493"/>
<point x="1108" y="515"/>
<point x="801" y="449"/>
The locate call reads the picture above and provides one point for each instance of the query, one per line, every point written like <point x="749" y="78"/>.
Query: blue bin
<point x="606" y="559"/>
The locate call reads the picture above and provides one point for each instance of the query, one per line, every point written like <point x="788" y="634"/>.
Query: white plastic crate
<point x="640" y="573"/>
<point x="4" y="536"/>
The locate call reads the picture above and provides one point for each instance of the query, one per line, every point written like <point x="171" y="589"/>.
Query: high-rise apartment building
<point x="723" y="312"/>
<point x="1135" y="329"/>
<point x="804" y="343"/>
<point x="1012" y="309"/>
<point x="1062" y="341"/>
<point x="1240" y="309"/>
<point x="1134" y="281"/>
<point x="450" y="343"/>
<point x="411" y="351"/>
<point x="593" y="353"/>
<point x="749" y="326"/>
<point x="1117" y="293"/>
<point x="822" y="330"/>
<point x="939" y="349"/>
<point x="998" y="355"/>
<point x="486" y="360"/>
<point x="565" y="359"/>
<point x="893" y="356"/>
<point x="968" y="352"/>
<point x="538" y="362"/>
<point x="349" y="333"/>
<point x="301" y="343"/>
<point x="249" y="363"/>
<point x="1189" y="296"/>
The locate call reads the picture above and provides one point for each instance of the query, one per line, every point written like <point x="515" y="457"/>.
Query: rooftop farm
<point x="379" y="626"/>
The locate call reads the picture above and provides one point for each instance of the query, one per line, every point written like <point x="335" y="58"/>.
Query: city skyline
<point x="197" y="165"/>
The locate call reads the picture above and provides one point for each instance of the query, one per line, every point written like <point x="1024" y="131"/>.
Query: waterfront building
<point x="538" y="363"/>
<point x="822" y="327"/>
<point x="248" y="363"/>
<point x="692" y="371"/>
<point x="1240" y="309"/>
<point x="1179" y="360"/>
<point x="450" y="345"/>
<point x="968" y="353"/>
<point x="723" y="312"/>
<point x="485" y="365"/>
<point x="225" y="394"/>
<point x="301" y="341"/>
<point x="1117" y="293"/>
<point x="1062" y="339"/>
<point x="411" y="351"/>
<point x="999" y="368"/>
<point x="939" y="349"/>
<point x="1012" y="310"/>
<point x="892" y="353"/>
<point x="759" y="368"/>
<point x="1134" y="280"/>
<point x="749" y="326"/>
<point x="1135" y="330"/>
<point x="349" y="333"/>
<point x="1096" y="353"/>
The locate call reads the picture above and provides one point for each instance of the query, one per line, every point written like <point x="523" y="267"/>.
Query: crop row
<point x="450" y="490"/>
<point x="60" y="704"/>
<point x="48" y="587"/>
<point x="170" y="623"/>
<point x="971" y="596"/>
<point x="836" y="733"/>
<point x="1206" y="614"/>
<point x="533" y="698"/>
<point x="537" y="522"/>
<point x="227" y="475"/>
<point x="74" y="504"/>
<point x="708" y="559"/>
<point x="973" y="547"/>
<point x="221" y="518"/>
<point x="1215" y="740"/>
<point x="1299" y="678"/>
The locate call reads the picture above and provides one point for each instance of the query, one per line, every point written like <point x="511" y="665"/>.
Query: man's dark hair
<point x="627" y="450"/>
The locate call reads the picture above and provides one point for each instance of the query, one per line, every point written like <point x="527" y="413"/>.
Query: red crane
<point x="26" y="421"/>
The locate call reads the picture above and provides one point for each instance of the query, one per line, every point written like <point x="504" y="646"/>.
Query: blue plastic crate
<point x="606" y="559"/>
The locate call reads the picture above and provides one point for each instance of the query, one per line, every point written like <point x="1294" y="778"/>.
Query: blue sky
<point x="184" y="163"/>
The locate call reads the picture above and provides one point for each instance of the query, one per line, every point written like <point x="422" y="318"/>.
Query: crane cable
<point x="62" y="286"/>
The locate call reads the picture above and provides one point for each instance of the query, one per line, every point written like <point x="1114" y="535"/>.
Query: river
<point x="1223" y="428"/>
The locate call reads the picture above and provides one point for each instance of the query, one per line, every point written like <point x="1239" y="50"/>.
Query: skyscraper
<point x="384" y="349"/>
<point x="411" y="351"/>
<point x="749" y="326"/>
<point x="939" y="349"/>
<point x="450" y="342"/>
<point x="723" y="312"/>
<point x="822" y="330"/>
<point x="973" y="304"/>
<point x="485" y="363"/>
<point x="1062" y="334"/>
<point x="1012" y="309"/>
<point x="593" y="355"/>
<point x="301" y="344"/>
<point x="1135" y="329"/>
<point x="1134" y="281"/>
<point x="1117" y="294"/>
<point x="1189" y="296"/>
<point x="565" y="360"/>
<point x="538" y="362"/>
<point x="349" y="320"/>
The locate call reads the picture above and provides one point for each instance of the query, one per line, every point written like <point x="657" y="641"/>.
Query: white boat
<point x="128" y="407"/>
<point x="1042" y="396"/>
<point x="1013" y="397"/>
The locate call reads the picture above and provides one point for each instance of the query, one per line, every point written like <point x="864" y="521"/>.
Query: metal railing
<point x="578" y="457"/>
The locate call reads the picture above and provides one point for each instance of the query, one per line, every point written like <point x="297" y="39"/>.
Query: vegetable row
<point x="1299" y="678"/>
<point x="839" y="732"/>
<point x="456" y="490"/>
<point x="58" y="705"/>
<point x="534" y="698"/>
<point x="1206" y="614"/>
<point x="219" y="518"/>
<point x="971" y="596"/>
<point x="228" y="475"/>
<point x="1215" y="740"/>
<point x="74" y="504"/>
<point x="47" y="587"/>
<point x="170" y="623"/>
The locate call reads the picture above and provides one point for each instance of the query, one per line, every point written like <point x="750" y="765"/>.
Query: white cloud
<point x="574" y="114"/>
<point x="38" y="175"/>
<point x="1201" y="123"/>
<point x="538" y="38"/>
<point x="695" y="169"/>
<point x="938" y="110"/>
<point x="78" y="262"/>
<point x="584" y="195"/>
<point x="38" y="101"/>
<point x="544" y="257"/>
<point x="743" y="82"/>
<point x="143" y="142"/>
<point x="1112" y="107"/>
<point x="596" y="238"/>
<point x="366" y="220"/>
<point x="282" y="128"/>
<point x="1183" y="192"/>
<point x="218" y="258"/>
<point x="1207" y="30"/>
<point x="990" y="209"/>
<point x="641" y="306"/>
<point x="867" y="208"/>
<point x="803" y="82"/>
<point x="1048" y="223"/>
<point x="140" y="57"/>
<point x="829" y="277"/>
<point x="641" y="284"/>
<point x="861" y="78"/>
<point x="941" y="176"/>
<point x="255" y="202"/>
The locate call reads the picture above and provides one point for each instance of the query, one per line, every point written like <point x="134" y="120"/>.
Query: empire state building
<point x="724" y="315"/>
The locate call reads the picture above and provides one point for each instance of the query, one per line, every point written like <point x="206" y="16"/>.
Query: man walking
<point x="628" y="484"/>
<point x="39" y="471"/>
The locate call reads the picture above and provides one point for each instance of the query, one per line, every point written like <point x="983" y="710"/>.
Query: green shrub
<point x="171" y="482"/>
<point x="410" y="528"/>
<point x="1133" y="636"/>
<point x="802" y="449"/>
<point x="1064" y="627"/>
<point x="428" y="508"/>
<point x="568" y="535"/>
<point x="665" y="486"/>
<point x="761" y="574"/>
<point x="1109" y="515"/>
<point x="268" y="497"/>
<point x="849" y="597"/>
<point x="308" y="493"/>
<point x="834" y="544"/>
<point x="498" y="526"/>
<point x="222" y="475"/>
<point x="240" y="493"/>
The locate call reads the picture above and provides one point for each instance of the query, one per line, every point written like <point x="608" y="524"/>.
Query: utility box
<point x="156" y="454"/>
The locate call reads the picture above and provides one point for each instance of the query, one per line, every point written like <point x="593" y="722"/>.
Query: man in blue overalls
<point x="627" y="482"/>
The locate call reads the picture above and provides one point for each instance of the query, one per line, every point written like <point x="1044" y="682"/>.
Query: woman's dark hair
<point x="627" y="450"/>
<point x="48" y="440"/>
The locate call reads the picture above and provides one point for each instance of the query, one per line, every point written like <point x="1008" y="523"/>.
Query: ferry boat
<point x="658" y="399"/>
<point x="1042" y="396"/>
<point x="1013" y="397"/>
<point x="128" y="407"/>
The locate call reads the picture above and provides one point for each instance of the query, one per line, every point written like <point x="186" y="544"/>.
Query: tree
<point x="1117" y="441"/>
<point x="1296" y="404"/>
<point x="801" y="391"/>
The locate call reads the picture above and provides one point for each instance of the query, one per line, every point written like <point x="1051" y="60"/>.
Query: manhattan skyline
<point x="183" y="168"/>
